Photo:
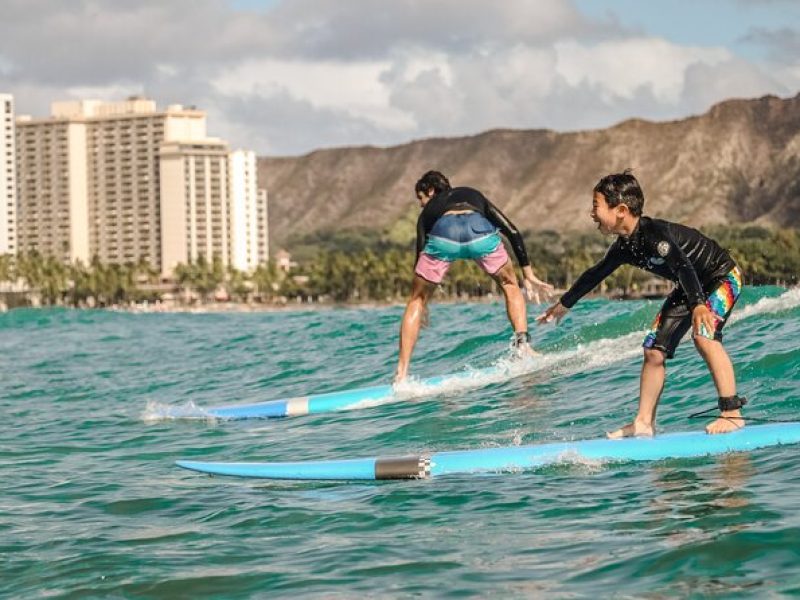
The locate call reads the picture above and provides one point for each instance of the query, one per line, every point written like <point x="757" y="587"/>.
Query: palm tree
<point x="266" y="279"/>
<point x="238" y="285"/>
<point x="6" y="267"/>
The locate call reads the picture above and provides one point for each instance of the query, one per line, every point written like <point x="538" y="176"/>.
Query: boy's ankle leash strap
<point x="725" y="403"/>
<point x="731" y="402"/>
<point x="521" y="337"/>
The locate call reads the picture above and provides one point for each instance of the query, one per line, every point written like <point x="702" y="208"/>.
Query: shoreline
<point x="257" y="307"/>
<point x="292" y="306"/>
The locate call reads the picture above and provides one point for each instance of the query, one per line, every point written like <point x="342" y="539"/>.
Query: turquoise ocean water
<point x="91" y="505"/>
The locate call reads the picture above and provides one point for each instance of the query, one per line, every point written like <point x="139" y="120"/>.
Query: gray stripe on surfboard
<point x="403" y="467"/>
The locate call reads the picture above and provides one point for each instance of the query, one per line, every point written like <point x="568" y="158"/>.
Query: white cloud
<point x="354" y="88"/>
<point x="469" y="92"/>
<point x="622" y="67"/>
<point x="734" y="78"/>
<point x="365" y="28"/>
<point x="315" y="73"/>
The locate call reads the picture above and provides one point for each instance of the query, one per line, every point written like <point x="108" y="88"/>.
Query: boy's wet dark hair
<point x="622" y="188"/>
<point x="432" y="180"/>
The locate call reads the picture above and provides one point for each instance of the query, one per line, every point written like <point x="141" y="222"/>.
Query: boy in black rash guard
<point x="708" y="285"/>
<point x="455" y="224"/>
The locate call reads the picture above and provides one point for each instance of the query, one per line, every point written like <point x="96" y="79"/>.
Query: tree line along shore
<point x="358" y="268"/>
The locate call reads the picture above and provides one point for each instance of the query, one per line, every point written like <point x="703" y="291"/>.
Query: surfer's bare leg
<point x="517" y="312"/>
<point x="414" y="318"/>
<point x="651" y="384"/>
<point x="721" y="368"/>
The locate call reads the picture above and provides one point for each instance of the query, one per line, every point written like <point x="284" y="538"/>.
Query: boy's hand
<point x="536" y="290"/>
<point x="704" y="322"/>
<point x="557" y="312"/>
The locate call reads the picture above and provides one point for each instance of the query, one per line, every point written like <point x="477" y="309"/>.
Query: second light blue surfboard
<point x="482" y="460"/>
<point x="332" y="401"/>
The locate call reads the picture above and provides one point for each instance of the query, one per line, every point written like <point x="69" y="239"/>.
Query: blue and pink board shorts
<point x="461" y="236"/>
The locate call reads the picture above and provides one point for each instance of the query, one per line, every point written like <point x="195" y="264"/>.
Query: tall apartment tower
<point x="195" y="203"/>
<point x="211" y="206"/>
<point x="263" y="225"/>
<point x="8" y="180"/>
<point x="52" y="202"/>
<point x="248" y="212"/>
<point x="90" y="178"/>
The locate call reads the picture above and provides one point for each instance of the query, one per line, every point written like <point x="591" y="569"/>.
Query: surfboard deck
<point x="513" y="458"/>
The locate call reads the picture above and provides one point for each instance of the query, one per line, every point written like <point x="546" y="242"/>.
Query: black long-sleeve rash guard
<point x="669" y="250"/>
<point x="465" y="198"/>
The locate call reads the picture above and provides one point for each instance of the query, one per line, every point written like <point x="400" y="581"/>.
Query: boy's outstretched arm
<point x="583" y="285"/>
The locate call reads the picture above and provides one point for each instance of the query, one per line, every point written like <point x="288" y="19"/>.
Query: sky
<point x="286" y="77"/>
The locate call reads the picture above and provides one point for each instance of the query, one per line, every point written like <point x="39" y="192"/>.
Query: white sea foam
<point x="502" y="370"/>
<point x="155" y="411"/>
<point x="584" y="463"/>
<point x="371" y="402"/>
<point x="786" y="301"/>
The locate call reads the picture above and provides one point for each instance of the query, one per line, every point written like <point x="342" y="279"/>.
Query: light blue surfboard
<point x="334" y="401"/>
<point x="514" y="458"/>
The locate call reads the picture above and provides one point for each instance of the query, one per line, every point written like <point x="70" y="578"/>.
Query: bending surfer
<point x="708" y="284"/>
<point x="460" y="223"/>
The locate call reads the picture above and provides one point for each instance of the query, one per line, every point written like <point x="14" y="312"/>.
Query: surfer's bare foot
<point x="729" y="420"/>
<point x="635" y="429"/>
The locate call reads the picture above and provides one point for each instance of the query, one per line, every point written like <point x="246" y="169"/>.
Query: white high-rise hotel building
<point x="8" y="186"/>
<point x="248" y="211"/>
<point x="125" y="182"/>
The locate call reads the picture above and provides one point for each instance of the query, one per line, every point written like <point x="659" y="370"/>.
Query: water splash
<point x="786" y="301"/>
<point x="156" y="411"/>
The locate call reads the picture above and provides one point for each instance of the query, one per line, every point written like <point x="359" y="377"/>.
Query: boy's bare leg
<point x="413" y="319"/>
<point x="651" y="385"/>
<point x="721" y="368"/>
<point x="516" y="309"/>
<point x="506" y="278"/>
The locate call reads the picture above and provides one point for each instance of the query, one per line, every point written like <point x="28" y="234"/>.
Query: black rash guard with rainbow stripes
<point x="670" y="250"/>
<point x="465" y="198"/>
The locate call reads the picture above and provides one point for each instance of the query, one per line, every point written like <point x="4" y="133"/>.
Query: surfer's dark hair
<point x="432" y="180"/>
<point x="622" y="188"/>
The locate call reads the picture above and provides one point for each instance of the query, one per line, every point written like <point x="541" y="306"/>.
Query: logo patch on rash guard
<point x="662" y="248"/>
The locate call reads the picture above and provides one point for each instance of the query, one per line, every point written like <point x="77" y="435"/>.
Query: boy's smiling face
<point x="609" y="220"/>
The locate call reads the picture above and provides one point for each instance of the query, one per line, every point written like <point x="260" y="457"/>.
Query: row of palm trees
<point x="338" y="276"/>
<point x="56" y="282"/>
